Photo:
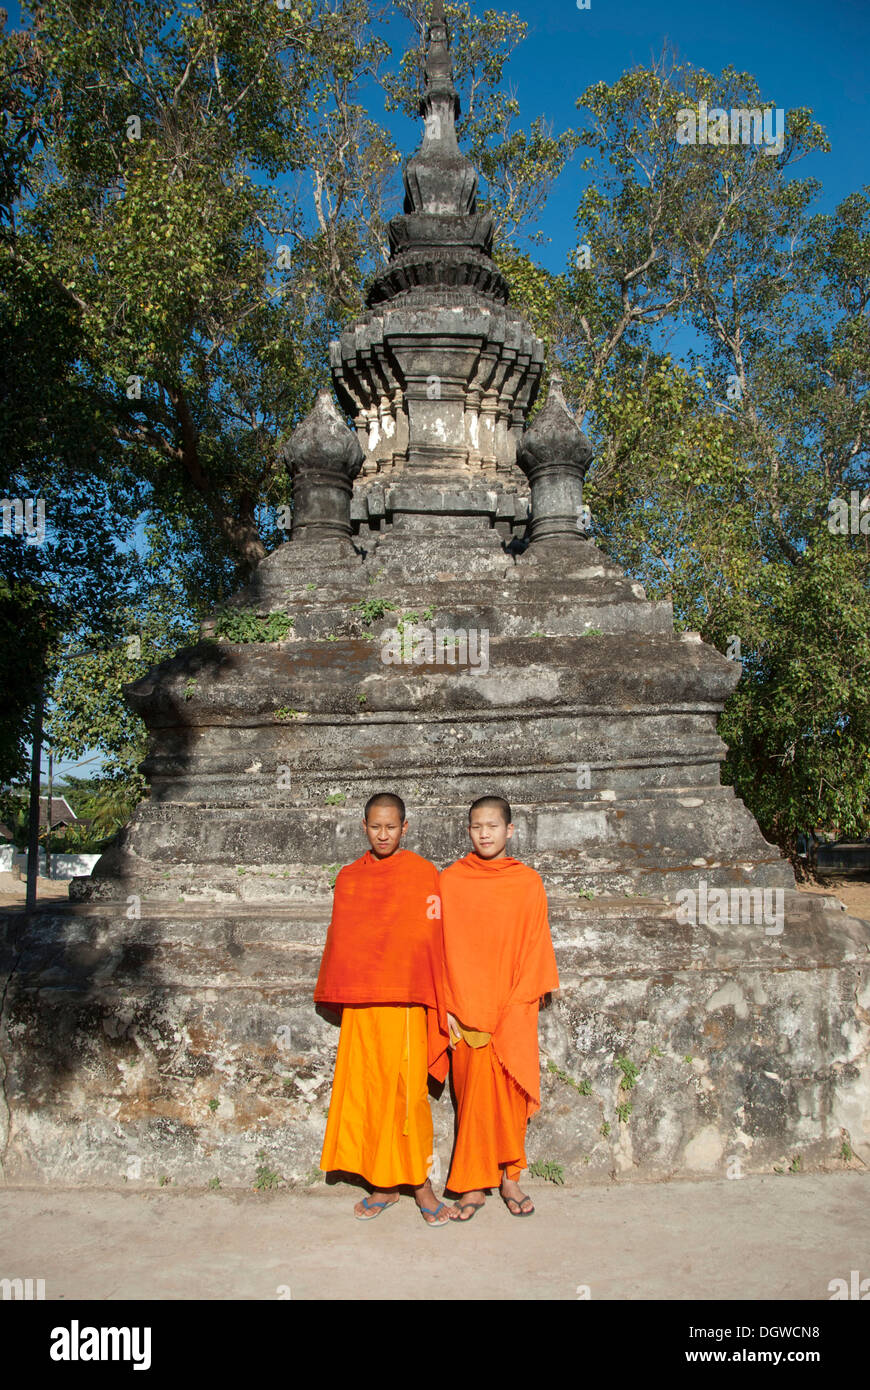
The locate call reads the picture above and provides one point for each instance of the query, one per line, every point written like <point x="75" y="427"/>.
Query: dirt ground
<point x="853" y="892"/>
<point x="14" y="890"/>
<point x="754" y="1238"/>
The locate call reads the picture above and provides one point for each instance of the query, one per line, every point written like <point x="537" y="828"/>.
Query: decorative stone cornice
<point x="324" y="457"/>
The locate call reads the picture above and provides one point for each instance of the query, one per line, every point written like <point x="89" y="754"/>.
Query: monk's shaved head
<point x="386" y="799"/>
<point x="499" y="801"/>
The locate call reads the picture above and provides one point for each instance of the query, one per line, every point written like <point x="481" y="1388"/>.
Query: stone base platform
<point x="183" y="1042"/>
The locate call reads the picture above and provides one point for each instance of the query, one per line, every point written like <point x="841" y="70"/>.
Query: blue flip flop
<point x="430" y="1212"/>
<point x="370" y="1206"/>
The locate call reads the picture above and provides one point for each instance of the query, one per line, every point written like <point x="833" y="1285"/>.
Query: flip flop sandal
<point x="519" y="1201"/>
<point x="370" y="1206"/>
<point x="475" y="1206"/>
<point x="430" y="1212"/>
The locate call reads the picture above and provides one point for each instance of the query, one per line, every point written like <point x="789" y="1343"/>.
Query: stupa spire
<point x="440" y="373"/>
<point x="438" y="178"/>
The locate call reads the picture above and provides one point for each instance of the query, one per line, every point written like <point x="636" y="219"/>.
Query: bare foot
<point x="367" y="1210"/>
<point x="461" y="1209"/>
<point x="518" y="1204"/>
<point x="425" y="1197"/>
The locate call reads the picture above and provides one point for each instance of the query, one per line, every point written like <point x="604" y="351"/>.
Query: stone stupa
<point x="454" y="633"/>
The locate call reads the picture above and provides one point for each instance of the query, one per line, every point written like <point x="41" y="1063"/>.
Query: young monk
<point x="500" y="963"/>
<point x="383" y="967"/>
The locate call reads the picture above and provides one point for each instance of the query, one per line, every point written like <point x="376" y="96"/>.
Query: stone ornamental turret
<point x="324" y="457"/>
<point x="554" y="454"/>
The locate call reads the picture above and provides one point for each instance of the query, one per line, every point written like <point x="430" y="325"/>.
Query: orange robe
<point x="383" y="967"/>
<point x="499" y="961"/>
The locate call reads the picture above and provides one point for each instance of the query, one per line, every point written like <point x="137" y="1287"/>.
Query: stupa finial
<point x="438" y="178"/>
<point x="437" y="65"/>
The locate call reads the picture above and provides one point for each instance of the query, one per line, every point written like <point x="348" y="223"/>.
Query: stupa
<point x="451" y="631"/>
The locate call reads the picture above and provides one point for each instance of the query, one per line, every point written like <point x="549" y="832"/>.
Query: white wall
<point x="62" y="865"/>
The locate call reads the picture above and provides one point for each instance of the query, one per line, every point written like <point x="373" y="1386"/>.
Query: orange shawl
<point x="499" y="959"/>
<point x="384" y="944"/>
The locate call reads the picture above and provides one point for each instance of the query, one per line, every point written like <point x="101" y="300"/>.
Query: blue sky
<point x="801" y="53"/>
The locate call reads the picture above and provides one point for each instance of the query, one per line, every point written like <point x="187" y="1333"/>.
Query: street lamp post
<point x="35" y="778"/>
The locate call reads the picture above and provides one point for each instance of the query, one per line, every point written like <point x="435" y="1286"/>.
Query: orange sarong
<point x="380" y="1123"/>
<point x="490" y="1121"/>
<point x="499" y="961"/>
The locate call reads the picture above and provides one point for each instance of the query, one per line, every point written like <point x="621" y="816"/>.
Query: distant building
<point x="62" y="813"/>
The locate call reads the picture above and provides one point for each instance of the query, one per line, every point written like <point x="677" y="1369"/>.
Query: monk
<point x="383" y="968"/>
<point x="499" y="965"/>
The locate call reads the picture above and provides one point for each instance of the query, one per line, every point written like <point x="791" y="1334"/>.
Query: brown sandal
<point x="518" y="1201"/>
<point x="475" y="1206"/>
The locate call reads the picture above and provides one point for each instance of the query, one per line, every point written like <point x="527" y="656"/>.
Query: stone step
<point x="621" y="673"/>
<point x="664" y="832"/>
<point x="548" y="617"/>
<point x="192" y="947"/>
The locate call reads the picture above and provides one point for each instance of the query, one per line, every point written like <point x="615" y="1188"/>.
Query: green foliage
<point x="104" y="804"/>
<point x="550" y="1172"/>
<point x="623" y="1111"/>
<point x="630" y="1073"/>
<point x="583" y="1087"/>
<point x="372" y="609"/>
<point x="89" y="710"/>
<point x="267" y="1178"/>
<point x="236" y="625"/>
<point x="336" y="799"/>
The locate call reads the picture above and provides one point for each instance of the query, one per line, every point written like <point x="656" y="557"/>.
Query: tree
<point x="712" y="483"/>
